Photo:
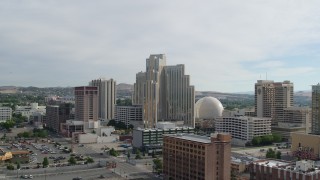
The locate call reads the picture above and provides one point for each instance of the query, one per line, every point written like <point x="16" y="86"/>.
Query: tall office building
<point x="86" y="105"/>
<point x="315" y="111"/>
<point x="271" y="98"/>
<point x="189" y="156"/>
<point x="165" y="93"/>
<point x="58" y="114"/>
<point x="107" y="97"/>
<point x="177" y="98"/>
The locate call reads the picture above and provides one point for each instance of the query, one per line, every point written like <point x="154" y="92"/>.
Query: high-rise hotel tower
<point x="165" y="93"/>
<point x="107" y="97"/>
<point x="315" y="127"/>
<point x="271" y="98"/>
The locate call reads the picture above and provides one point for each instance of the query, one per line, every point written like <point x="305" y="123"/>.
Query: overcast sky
<point x="225" y="45"/>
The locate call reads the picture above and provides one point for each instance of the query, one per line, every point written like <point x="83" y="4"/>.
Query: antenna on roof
<point x="266" y="75"/>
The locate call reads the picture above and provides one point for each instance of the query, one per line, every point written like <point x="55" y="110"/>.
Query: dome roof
<point x="208" y="108"/>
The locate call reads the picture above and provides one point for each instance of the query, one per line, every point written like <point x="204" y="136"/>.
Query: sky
<point x="226" y="46"/>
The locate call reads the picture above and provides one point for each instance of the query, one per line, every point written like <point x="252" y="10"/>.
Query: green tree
<point x="256" y="140"/>
<point x="72" y="160"/>
<point x="113" y="152"/>
<point x="276" y="138"/>
<point x="89" y="160"/>
<point x="45" y="162"/>
<point x="138" y="154"/>
<point x="270" y="153"/>
<point x="112" y="122"/>
<point x="278" y="155"/>
<point x="10" y="167"/>
<point x="266" y="139"/>
<point x="18" y="165"/>
<point x="157" y="165"/>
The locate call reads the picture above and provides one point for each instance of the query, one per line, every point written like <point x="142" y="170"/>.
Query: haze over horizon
<point x="226" y="46"/>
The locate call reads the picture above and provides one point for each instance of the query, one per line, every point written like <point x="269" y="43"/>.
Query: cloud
<point x="67" y="43"/>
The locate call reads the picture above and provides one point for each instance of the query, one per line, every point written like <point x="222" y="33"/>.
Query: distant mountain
<point x="124" y="90"/>
<point x="124" y="86"/>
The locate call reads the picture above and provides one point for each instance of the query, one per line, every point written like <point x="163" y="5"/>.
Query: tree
<point x="18" y="165"/>
<point x="276" y="138"/>
<point x="138" y="154"/>
<point x="45" y="162"/>
<point x="266" y="139"/>
<point x="157" y="165"/>
<point x="278" y="155"/>
<point x="270" y="153"/>
<point x="89" y="160"/>
<point x="113" y="152"/>
<point x="256" y="140"/>
<point x="112" y="122"/>
<point x="72" y="160"/>
<point x="10" y="167"/>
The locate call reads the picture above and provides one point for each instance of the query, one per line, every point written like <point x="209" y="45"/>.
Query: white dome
<point x="208" y="108"/>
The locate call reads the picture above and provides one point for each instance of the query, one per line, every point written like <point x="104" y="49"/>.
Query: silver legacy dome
<point x="208" y="108"/>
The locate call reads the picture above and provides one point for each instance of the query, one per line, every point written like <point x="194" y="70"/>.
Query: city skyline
<point x="223" y="44"/>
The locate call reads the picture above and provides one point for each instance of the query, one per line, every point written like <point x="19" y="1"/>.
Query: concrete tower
<point x="107" y="97"/>
<point x="271" y="98"/>
<point x="165" y="93"/>
<point x="315" y="127"/>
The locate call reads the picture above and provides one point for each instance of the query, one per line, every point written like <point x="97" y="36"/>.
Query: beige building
<point x="242" y="128"/>
<point x="188" y="156"/>
<point x="5" y="114"/>
<point x="271" y="98"/>
<point x="299" y="116"/>
<point x="270" y="169"/>
<point x="107" y="97"/>
<point x="315" y="109"/>
<point x="165" y="93"/>
<point x="306" y="146"/>
<point x="285" y="130"/>
<point x="130" y="115"/>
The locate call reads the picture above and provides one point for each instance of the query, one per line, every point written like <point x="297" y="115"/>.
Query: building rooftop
<point x="272" y="163"/>
<point x="191" y="137"/>
<point x="290" y="166"/>
<point x="159" y="129"/>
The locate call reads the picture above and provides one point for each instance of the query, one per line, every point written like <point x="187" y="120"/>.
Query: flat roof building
<point x="271" y="98"/>
<point x="5" y="114"/>
<point x="242" y="128"/>
<point x="189" y="156"/>
<point x="151" y="139"/>
<point x="130" y="115"/>
<point x="270" y="169"/>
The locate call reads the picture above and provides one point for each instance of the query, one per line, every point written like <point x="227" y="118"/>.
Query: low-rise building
<point x="270" y="169"/>
<point x="305" y="146"/>
<point x="242" y="128"/>
<point x="189" y="156"/>
<point x="130" y="115"/>
<point x="70" y="127"/>
<point x="29" y="110"/>
<point x="298" y="115"/>
<point x="286" y="129"/>
<point x="5" y="114"/>
<point x="152" y="139"/>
